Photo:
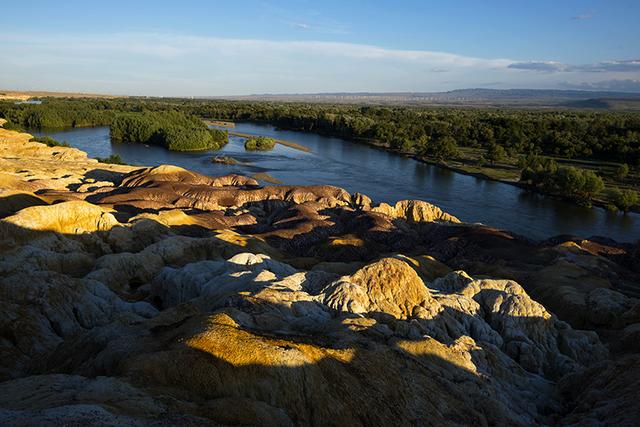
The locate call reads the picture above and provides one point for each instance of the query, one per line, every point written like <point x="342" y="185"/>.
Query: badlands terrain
<point x="158" y="296"/>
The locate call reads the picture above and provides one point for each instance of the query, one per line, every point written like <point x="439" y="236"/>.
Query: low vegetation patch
<point x="49" y="142"/>
<point x="259" y="143"/>
<point x="113" y="159"/>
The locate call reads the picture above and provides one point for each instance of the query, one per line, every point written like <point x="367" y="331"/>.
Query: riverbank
<point x="384" y="175"/>
<point x="501" y="172"/>
<point x="512" y="180"/>
<point x="600" y="203"/>
<point x="219" y="123"/>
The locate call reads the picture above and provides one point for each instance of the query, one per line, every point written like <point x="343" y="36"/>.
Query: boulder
<point x="388" y="286"/>
<point x="73" y="217"/>
<point x="415" y="211"/>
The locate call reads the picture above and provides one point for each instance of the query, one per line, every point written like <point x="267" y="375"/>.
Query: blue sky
<point x="191" y="48"/>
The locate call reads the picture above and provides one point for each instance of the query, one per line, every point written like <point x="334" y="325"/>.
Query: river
<point x="383" y="176"/>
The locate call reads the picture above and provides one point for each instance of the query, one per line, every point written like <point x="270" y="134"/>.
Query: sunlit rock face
<point x="158" y="296"/>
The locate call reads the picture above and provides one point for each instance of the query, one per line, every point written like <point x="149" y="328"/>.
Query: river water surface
<point x="383" y="176"/>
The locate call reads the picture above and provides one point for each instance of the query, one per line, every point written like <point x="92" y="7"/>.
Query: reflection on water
<point x="384" y="176"/>
<point x="420" y="174"/>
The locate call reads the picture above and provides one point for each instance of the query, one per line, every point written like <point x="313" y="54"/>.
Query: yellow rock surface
<point x="415" y="210"/>
<point x="427" y="266"/>
<point x="29" y="165"/>
<point x="389" y="286"/>
<point x="73" y="217"/>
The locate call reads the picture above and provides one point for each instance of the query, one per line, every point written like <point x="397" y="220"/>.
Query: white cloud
<point x="541" y="66"/>
<point x="583" y="17"/>
<point x="623" y="66"/>
<point x="301" y="25"/>
<point x="631" y="65"/>
<point x="617" y="85"/>
<point x="174" y="46"/>
<point x="178" y="64"/>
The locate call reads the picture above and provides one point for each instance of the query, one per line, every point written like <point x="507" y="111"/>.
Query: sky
<point x="210" y="48"/>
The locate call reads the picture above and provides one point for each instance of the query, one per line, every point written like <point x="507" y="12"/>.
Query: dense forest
<point x="605" y="136"/>
<point x="436" y="133"/>
<point x="173" y="130"/>
<point x="571" y="134"/>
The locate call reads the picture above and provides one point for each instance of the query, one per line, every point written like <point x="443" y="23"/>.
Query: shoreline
<point x="232" y="125"/>
<point x="219" y="123"/>
<point x="599" y="203"/>
<point x="525" y="234"/>
<point x="289" y="144"/>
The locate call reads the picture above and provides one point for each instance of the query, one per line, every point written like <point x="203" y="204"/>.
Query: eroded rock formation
<point x="158" y="296"/>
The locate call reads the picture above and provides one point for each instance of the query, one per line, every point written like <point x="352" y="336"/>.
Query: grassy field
<point x="219" y="123"/>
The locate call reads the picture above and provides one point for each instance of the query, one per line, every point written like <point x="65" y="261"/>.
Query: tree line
<point x="613" y="136"/>
<point x="129" y="122"/>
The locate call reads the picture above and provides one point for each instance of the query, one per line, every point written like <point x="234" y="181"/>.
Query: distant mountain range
<point x="470" y="97"/>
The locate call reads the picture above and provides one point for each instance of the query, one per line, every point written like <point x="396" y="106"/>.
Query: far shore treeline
<point x="495" y="143"/>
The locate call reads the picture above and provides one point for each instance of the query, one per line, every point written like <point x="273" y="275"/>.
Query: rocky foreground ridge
<point x="158" y="296"/>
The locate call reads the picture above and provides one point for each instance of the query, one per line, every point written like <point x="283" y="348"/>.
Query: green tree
<point x="496" y="153"/>
<point x="624" y="199"/>
<point x="422" y="142"/>
<point x="173" y="130"/>
<point x="593" y="184"/>
<point x="401" y="143"/>
<point x="259" y="143"/>
<point x="524" y="161"/>
<point x="622" y="172"/>
<point x="579" y="184"/>
<point x="441" y="148"/>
